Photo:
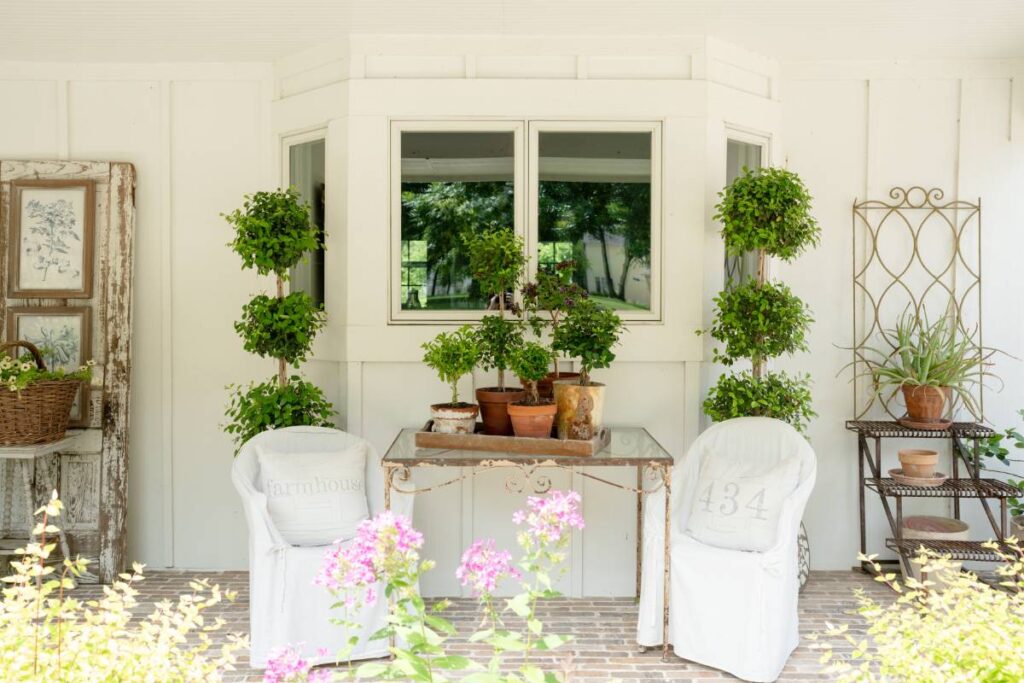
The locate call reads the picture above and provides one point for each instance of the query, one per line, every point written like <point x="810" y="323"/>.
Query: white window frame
<point x="399" y="126"/>
<point x="289" y="140"/>
<point x="536" y="127"/>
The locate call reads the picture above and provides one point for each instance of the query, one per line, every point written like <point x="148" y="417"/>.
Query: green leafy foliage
<point x="994" y="453"/>
<point x="589" y="332"/>
<point x="759" y="321"/>
<point x="20" y="372"/>
<point x="270" y="405"/>
<point x="530" y="363"/>
<point x="547" y="298"/>
<point x="452" y="355"/>
<point x="497" y="339"/>
<point x="496" y="260"/>
<point x="284" y="327"/>
<point x="774" y="394"/>
<point x="273" y="231"/>
<point x="767" y="209"/>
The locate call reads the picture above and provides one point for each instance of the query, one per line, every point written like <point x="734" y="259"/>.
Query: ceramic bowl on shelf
<point x="937" y="479"/>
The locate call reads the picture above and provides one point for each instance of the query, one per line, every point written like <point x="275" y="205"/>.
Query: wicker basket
<point x="38" y="413"/>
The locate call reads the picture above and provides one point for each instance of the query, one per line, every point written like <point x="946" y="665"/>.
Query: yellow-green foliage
<point x="965" y="631"/>
<point x="46" y="634"/>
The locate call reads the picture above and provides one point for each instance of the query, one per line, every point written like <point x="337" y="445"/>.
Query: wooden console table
<point x="630" y="447"/>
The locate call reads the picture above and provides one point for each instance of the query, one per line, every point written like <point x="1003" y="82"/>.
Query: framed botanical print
<point x="51" y="241"/>
<point x="63" y="335"/>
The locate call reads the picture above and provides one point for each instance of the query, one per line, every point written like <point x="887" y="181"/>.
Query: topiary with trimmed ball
<point x="273" y="232"/>
<point x="766" y="211"/>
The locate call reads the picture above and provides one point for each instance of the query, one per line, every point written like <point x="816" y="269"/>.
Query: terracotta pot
<point x="532" y="421"/>
<point x="454" y="418"/>
<point x="545" y="387"/>
<point x="925" y="403"/>
<point x="494" y="408"/>
<point x="927" y="527"/>
<point x="918" y="462"/>
<point x="580" y="409"/>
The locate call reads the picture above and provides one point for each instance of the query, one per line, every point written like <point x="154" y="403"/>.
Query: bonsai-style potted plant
<point x="766" y="211"/>
<point x="546" y="300"/>
<point x="273" y="232"/>
<point x="933" y="364"/>
<point x="532" y="416"/>
<point x="588" y="332"/>
<point x="496" y="261"/>
<point x="453" y="355"/>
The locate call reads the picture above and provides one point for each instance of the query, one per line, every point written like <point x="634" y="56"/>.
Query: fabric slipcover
<point x="285" y="608"/>
<point x="734" y="610"/>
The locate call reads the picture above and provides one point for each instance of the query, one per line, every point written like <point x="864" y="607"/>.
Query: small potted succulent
<point x="453" y="355"/>
<point x="546" y="301"/>
<point x="588" y="332"/>
<point x="496" y="261"/>
<point x="931" y="363"/>
<point x="532" y="416"/>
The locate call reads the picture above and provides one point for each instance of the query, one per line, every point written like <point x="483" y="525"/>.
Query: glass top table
<point x="629" y="447"/>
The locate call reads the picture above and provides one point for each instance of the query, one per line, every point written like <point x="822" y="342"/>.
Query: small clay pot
<point x="494" y="408"/>
<point x="545" y="387"/>
<point x="926" y="403"/>
<point x="580" y="409"/>
<point x="454" y="418"/>
<point x="918" y="462"/>
<point x="532" y="421"/>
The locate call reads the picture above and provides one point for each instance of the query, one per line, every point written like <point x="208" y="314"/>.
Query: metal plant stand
<point x="870" y="434"/>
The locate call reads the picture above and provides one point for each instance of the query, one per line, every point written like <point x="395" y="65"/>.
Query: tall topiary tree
<point x="767" y="211"/>
<point x="273" y="232"/>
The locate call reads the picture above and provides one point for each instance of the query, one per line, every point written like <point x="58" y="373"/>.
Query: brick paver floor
<point x="604" y="647"/>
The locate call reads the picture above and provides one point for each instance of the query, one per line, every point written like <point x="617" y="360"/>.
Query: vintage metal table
<point x="630" y="447"/>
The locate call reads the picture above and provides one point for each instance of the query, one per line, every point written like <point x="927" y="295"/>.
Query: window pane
<point x="595" y="208"/>
<point x="453" y="185"/>
<point x="306" y="173"/>
<point x="740" y="155"/>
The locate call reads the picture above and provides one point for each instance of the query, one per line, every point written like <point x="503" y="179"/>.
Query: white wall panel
<point x="30" y="116"/>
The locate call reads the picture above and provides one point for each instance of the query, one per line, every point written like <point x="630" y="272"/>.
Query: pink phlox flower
<point x="287" y="665"/>
<point x="483" y="566"/>
<point x="549" y="518"/>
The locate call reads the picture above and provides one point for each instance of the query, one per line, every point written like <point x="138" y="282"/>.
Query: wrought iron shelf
<point x="887" y="429"/>
<point x="956" y="550"/>
<point x="963" y="488"/>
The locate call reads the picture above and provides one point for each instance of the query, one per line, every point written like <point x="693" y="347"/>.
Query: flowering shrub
<point x="967" y="631"/>
<point x="288" y="666"/>
<point x="386" y="551"/>
<point x="16" y="373"/>
<point x="47" y="635"/>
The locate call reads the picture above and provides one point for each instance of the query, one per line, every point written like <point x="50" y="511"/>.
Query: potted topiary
<point x="588" y="332"/>
<point x="532" y="416"/>
<point x="496" y="261"/>
<point x="273" y="232"/>
<point x="766" y="211"/>
<point x="453" y="355"/>
<point x="546" y="300"/>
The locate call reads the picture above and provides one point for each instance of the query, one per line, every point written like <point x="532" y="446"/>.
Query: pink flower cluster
<point x="288" y="666"/>
<point x="549" y="518"/>
<point x="384" y="546"/>
<point x="483" y="566"/>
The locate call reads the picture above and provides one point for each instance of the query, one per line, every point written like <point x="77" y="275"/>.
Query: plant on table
<point x="496" y="261"/>
<point x="48" y="634"/>
<point x="273" y="232"/>
<point x="385" y="552"/>
<point x="533" y="416"/>
<point x="766" y="211"/>
<point x="453" y="355"/>
<point x="588" y="333"/>
<point x="546" y="300"/>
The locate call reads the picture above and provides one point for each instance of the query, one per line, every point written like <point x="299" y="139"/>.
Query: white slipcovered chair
<point x="731" y="608"/>
<point x="285" y="608"/>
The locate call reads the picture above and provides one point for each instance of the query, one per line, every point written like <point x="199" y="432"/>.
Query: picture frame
<point x="64" y="337"/>
<point x="52" y="228"/>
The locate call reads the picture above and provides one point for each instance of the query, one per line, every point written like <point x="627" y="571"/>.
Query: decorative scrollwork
<point x="527" y="478"/>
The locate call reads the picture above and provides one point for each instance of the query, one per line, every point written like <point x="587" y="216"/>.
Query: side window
<point x="740" y="155"/>
<point x="306" y="172"/>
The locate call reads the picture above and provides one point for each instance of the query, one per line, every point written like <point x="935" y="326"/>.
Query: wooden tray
<point x="519" y="445"/>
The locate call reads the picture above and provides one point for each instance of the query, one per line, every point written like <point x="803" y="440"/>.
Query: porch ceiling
<point x="265" y="30"/>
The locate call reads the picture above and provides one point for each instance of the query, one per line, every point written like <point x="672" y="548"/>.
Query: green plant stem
<point x="282" y="364"/>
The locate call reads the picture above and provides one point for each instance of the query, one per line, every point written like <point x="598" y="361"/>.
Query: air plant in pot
<point x="934" y="364"/>
<point x="588" y="333"/>
<point x="546" y="301"/>
<point x="532" y="416"/>
<point x="496" y="260"/>
<point x="453" y="355"/>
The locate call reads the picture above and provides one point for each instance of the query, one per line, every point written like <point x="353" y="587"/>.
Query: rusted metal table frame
<point x="655" y="467"/>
